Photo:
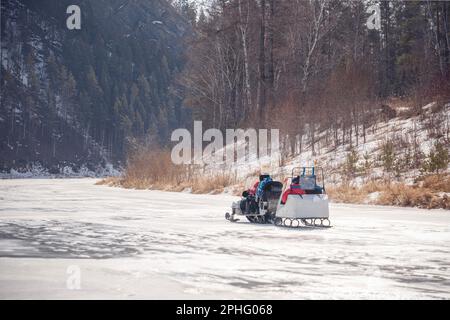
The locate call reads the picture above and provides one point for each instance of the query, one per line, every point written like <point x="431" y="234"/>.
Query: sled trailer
<point x="310" y="207"/>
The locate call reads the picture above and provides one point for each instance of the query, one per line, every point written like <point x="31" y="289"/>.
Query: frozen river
<point x="69" y="238"/>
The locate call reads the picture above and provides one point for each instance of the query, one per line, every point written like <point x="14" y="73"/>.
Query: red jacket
<point x="252" y="190"/>
<point x="293" y="189"/>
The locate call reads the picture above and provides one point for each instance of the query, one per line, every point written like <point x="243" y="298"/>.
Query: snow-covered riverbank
<point x="153" y="244"/>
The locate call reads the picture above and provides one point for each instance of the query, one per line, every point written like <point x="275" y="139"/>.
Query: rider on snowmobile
<point x="253" y="193"/>
<point x="258" y="186"/>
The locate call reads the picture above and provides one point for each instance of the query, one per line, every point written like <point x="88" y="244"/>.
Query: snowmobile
<point x="258" y="206"/>
<point x="301" y="202"/>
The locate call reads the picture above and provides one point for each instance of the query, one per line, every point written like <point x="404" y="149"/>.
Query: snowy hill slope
<point x="411" y="136"/>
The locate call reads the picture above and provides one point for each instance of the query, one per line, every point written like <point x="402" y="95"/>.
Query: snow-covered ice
<point x="154" y="244"/>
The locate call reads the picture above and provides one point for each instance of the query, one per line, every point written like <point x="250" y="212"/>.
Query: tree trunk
<point x="262" y="64"/>
<point x="243" y="32"/>
<point x="270" y="79"/>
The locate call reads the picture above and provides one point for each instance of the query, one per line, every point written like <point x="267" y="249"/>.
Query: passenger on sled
<point x="301" y="185"/>
<point x="294" y="188"/>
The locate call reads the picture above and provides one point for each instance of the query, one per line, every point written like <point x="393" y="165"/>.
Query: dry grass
<point x="154" y="169"/>
<point x="110" y="181"/>
<point x="405" y="196"/>
<point x="437" y="183"/>
<point x="212" y="184"/>
<point x="348" y="193"/>
<point x="148" y="169"/>
<point x="428" y="193"/>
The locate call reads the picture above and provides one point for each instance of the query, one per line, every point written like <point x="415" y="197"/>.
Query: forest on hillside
<point x="309" y="66"/>
<point x="82" y="98"/>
